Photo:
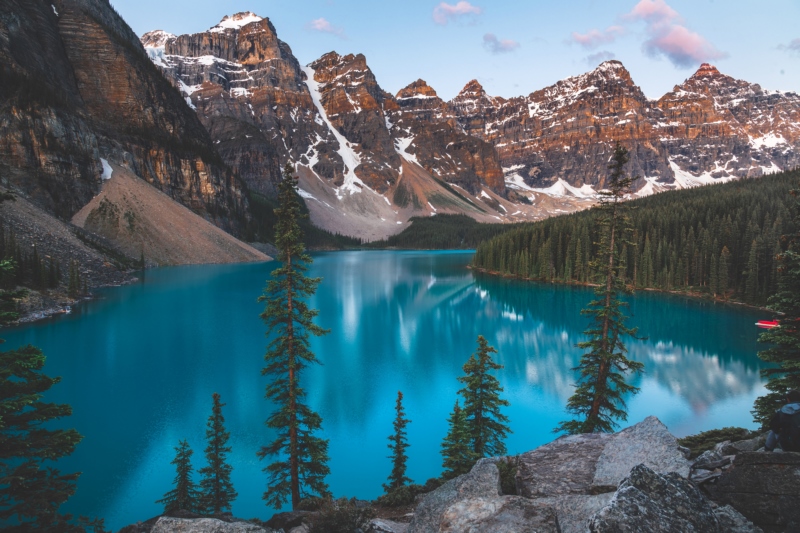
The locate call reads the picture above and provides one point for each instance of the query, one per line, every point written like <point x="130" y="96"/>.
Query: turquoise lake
<point x="139" y="366"/>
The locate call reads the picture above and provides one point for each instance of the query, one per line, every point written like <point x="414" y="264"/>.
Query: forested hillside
<point x="444" y="232"/>
<point x="720" y="240"/>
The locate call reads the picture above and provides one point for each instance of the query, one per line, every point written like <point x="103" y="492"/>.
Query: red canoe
<point x="767" y="324"/>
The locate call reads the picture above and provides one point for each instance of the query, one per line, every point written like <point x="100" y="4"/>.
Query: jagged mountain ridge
<point x="334" y="120"/>
<point x="554" y="142"/>
<point x="708" y="128"/>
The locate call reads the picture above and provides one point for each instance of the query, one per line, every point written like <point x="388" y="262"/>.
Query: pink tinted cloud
<point x="682" y="46"/>
<point x="444" y="12"/>
<point x="654" y="12"/>
<point x="323" y="26"/>
<point x="668" y="36"/>
<point x="594" y="38"/>
<point x="498" y="46"/>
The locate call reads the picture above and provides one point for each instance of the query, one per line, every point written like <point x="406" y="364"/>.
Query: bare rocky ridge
<point x="139" y="219"/>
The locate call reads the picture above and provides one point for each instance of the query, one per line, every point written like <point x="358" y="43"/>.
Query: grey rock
<point x="596" y="463"/>
<point x="748" y="445"/>
<point x="564" y="466"/>
<point x="288" y="520"/>
<point x="649" y="443"/>
<point x="764" y="487"/>
<point x="648" y="502"/>
<point x="732" y="521"/>
<point x="382" y="525"/>
<point x="574" y="510"/>
<point x="483" y="481"/>
<point x="168" y="524"/>
<point x="707" y="457"/>
<point x="504" y="514"/>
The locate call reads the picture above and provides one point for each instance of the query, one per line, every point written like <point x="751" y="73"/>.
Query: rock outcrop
<point x="573" y="478"/>
<point x="472" y="502"/>
<point x="764" y="487"/>
<point x="647" y="502"/>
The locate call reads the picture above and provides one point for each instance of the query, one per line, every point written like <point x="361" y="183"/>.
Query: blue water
<point x="139" y="366"/>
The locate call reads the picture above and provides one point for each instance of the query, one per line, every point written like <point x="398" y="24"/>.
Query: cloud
<point x="668" y="36"/>
<point x="594" y="38"/>
<point x="653" y="12"/>
<point x="444" y="12"/>
<point x="599" y="57"/>
<point x="323" y="26"/>
<point x="498" y="46"/>
<point x="793" y="47"/>
<point x="683" y="47"/>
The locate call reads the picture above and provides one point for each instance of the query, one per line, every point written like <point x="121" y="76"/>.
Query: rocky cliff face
<point x="263" y="109"/>
<point x="559" y="138"/>
<point x="350" y="138"/>
<point x="80" y="88"/>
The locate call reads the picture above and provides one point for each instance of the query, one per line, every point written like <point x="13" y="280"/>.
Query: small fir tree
<point x="184" y="496"/>
<point x="398" y="443"/>
<point x="598" y="398"/>
<point x="457" y="455"/>
<point x="784" y="340"/>
<point x="301" y="467"/>
<point x="481" y="393"/>
<point x="216" y="489"/>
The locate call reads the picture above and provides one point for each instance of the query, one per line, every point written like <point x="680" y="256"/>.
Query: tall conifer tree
<point x="184" y="496"/>
<point x="598" y="398"/>
<point x="398" y="442"/>
<point x="784" y="339"/>
<point x="302" y="457"/>
<point x="216" y="488"/>
<point x="31" y="491"/>
<point x="457" y="455"/>
<point x="481" y="393"/>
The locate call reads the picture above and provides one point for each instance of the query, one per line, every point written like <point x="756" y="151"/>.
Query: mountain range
<point x="211" y="118"/>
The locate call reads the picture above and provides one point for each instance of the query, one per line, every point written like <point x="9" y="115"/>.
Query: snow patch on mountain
<point x="235" y="22"/>
<point x="561" y="189"/>
<point x="352" y="184"/>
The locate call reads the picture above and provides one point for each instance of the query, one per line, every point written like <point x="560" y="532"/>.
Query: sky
<point x="516" y="47"/>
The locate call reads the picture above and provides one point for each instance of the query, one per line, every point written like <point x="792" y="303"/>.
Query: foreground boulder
<point x="472" y="502"/>
<point x="578" y="474"/>
<point x="764" y="487"/>
<point x="647" y="502"/>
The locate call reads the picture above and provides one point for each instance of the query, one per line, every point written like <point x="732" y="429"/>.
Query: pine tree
<point x="31" y="490"/>
<point x="481" y="393"/>
<point x="598" y="397"/>
<point x="784" y="352"/>
<point x="216" y="489"/>
<point x="302" y="466"/>
<point x="457" y="455"/>
<point x="184" y="496"/>
<point x="398" y="444"/>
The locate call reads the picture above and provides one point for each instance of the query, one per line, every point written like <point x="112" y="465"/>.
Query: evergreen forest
<point x="720" y="240"/>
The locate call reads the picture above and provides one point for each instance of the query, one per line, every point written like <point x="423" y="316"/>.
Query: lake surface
<point x="140" y="364"/>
